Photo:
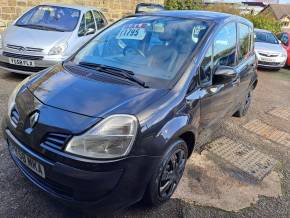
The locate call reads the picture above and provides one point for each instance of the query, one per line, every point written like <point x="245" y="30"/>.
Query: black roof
<point x="197" y="14"/>
<point x="207" y="15"/>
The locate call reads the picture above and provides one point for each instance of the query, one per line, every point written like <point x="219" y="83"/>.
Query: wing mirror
<point x="224" y="74"/>
<point x="90" y="31"/>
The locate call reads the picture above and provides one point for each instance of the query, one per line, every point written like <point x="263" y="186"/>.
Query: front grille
<point x="55" y="140"/>
<point x="22" y="68"/>
<point x="14" y="116"/>
<point x="268" y="55"/>
<point x="19" y="48"/>
<point x="21" y="56"/>
<point x="269" y="63"/>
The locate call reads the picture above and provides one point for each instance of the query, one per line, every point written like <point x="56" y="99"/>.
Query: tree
<point x="183" y="4"/>
<point x="262" y="22"/>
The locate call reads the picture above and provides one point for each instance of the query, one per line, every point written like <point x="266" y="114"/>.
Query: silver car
<point x="46" y="35"/>
<point x="270" y="53"/>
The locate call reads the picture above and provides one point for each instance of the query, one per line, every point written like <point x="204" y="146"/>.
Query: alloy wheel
<point x="172" y="173"/>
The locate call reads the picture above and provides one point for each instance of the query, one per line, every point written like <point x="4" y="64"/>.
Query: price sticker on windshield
<point x="133" y="31"/>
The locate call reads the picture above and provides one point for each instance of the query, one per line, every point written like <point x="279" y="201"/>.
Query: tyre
<point x="245" y="106"/>
<point x="168" y="174"/>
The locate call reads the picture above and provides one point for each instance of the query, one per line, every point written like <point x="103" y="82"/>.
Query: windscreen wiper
<point x="126" y="74"/>
<point x="40" y="27"/>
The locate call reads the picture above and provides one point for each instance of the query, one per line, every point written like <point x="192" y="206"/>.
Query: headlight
<point x="112" y="137"/>
<point x="11" y="100"/>
<point x="58" y="49"/>
<point x="284" y="55"/>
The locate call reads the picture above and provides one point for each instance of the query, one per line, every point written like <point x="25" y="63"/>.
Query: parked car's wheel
<point x="166" y="178"/>
<point x="245" y="106"/>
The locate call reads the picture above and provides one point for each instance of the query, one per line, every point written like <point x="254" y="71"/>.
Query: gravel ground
<point x="18" y="198"/>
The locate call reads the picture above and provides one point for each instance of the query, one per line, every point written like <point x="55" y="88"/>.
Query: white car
<point x="46" y="35"/>
<point x="270" y="53"/>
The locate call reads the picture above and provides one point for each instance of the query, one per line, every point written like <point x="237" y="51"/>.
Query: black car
<point x="116" y="122"/>
<point x="148" y="7"/>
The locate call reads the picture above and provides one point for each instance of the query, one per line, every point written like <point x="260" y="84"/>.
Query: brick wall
<point x="113" y="9"/>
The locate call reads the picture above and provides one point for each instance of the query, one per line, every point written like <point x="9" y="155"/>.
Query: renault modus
<point x="116" y="122"/>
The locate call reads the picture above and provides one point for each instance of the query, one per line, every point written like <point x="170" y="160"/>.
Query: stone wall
<point x="113" y="9"/>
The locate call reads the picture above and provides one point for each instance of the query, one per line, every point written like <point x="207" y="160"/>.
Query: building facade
<point x="113" y="9"/>
<point x="279" y="12"/>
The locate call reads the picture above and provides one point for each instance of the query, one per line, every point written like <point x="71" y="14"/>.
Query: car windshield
<point x="266" y="37"/>
<point x="153" y="48"/>
<point x="51" y="18"/>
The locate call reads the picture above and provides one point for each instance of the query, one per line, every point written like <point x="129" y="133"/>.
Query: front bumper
<point x="271" y="62"/>
<point x="107" y="185"/>
<point x="45" y="62"/>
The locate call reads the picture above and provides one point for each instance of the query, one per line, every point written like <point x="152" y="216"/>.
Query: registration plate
<point x="21" y="62"/>
<point x="268" y="59"/>
<point x="32" y="164"/>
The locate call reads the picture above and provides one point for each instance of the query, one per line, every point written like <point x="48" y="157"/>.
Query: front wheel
<point x="245" y="106"/>
<point x="166" y="178"/>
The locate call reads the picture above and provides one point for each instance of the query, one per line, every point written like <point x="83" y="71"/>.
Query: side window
<point x="100" y="20"/>
<point x="252" y="40"/>
<point x="82" y="28"/>
<point x="90" y="23"/>
<point x="87" y="25"/>
<point x="284" y="39"/>
<point x="205" y="70"/>
<point x="244" y="41"/>
<point x="224" y="50"/>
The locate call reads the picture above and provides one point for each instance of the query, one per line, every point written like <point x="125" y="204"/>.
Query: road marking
<point x="282" y="112"/>
<point x="268" y="132"/>
<point x="245" y="158"/>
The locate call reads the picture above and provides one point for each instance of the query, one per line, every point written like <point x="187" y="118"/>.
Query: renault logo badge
<point x="33" y="119"/>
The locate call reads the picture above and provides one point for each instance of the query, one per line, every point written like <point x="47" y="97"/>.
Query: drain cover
<point x="245" y="158"/>
<point x="283" y="113"/>
<point x="268" y="132"/>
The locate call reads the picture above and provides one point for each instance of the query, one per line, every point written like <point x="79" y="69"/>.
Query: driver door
<point x="218" y="98"/>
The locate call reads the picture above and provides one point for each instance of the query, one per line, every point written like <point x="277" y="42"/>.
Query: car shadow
<point x="9" y="76"/>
